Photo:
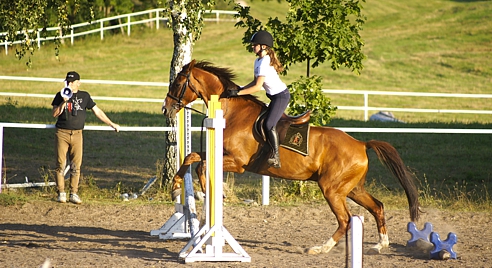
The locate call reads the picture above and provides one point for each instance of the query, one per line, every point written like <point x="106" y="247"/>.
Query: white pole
<point x="38" y="35"/>
<point x="71" y="36"/>
<point x="366" y="106"/>
<point x="357" y="227"/>
<point x="129" y="25"/>
<point x="157" y="18"/>
<point x="1" y="157"/>
<point x="102" y="30"/>
<point x="265" y="190"/>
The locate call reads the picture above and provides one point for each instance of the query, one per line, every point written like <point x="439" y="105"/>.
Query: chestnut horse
<point x="336" y="161"/>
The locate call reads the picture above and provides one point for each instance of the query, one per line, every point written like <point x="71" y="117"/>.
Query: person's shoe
<point x="62" y="198"/>
<point x="74" y="198"/>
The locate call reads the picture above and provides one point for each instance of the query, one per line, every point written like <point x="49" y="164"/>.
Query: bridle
<point x="188" y="84"/>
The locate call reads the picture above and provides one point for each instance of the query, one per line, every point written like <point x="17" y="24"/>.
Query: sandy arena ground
<point x="119" y="236"/>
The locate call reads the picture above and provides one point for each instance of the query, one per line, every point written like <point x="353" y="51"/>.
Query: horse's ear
<point x="192" y="64"/>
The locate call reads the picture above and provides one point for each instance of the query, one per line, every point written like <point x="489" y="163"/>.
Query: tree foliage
<point x="313" y="32"/>
<point x="316" y="31"/>
<point x="25" y="19"/>
<point x="306" y="95"/>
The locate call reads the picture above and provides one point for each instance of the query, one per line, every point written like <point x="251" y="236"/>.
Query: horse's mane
<point x="225" y="76"/>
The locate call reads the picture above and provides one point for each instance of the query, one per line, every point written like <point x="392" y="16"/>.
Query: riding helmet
<point x="263" y="38"/>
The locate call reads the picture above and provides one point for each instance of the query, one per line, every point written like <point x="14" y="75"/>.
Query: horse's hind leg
<point x="376" y="208"/>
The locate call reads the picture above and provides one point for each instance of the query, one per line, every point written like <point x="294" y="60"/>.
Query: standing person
<point x="71" y="113"/>
<point x="266" y="74"/>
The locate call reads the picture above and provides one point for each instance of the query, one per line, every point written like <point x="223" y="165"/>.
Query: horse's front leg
<point x="229" y="166"/>
<point x="178" y="178"/>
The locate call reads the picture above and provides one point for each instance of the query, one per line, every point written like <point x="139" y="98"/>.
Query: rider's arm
<point x="253" y="87"/>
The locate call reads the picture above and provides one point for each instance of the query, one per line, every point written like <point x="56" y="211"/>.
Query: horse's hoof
<point x="200" y="196"/>
<point x="313" y="250"/>
<point x="176" y="193"/>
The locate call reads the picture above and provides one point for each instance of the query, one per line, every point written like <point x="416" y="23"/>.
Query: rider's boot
<point x="274" y="159"/>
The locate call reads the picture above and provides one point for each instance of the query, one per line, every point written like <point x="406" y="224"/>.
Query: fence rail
<point x="366" y="108"/>
<point x="155" y="17"/>
<point x="365" y="93"/>
<point x="107" y="128"/>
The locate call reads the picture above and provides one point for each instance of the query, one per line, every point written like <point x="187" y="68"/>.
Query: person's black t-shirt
<point x="74" y="115"/>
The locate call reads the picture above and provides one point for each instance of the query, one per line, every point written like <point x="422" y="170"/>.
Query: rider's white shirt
<point x="272" y="84"/>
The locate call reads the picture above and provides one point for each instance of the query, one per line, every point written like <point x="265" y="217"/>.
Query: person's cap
<point x="72" y="76"/>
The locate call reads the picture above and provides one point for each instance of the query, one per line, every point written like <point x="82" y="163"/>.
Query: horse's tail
<point x="389" y="157"/>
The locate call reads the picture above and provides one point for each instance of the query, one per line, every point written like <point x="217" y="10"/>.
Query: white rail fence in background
<point x="366" y="108"/>
<point x="365" y="93"/>
<point x="265" y="188"/>
<point x="44" y="126"/>
<point x="265" y="179"/>
<point x="153" y="17"/>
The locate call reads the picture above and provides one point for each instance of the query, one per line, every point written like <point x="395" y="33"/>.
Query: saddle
<point x="292" y="131"/>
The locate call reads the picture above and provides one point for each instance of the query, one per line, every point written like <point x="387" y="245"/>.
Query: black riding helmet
<point x="263" y="38"/>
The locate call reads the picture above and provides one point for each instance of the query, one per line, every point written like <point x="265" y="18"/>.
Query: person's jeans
<point x="71" y="142"/>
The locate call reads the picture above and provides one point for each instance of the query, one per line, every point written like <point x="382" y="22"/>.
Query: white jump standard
<point x="183" y="223"/>
<point x="213" y="234"/>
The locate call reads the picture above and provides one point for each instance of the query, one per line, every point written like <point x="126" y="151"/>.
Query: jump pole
<point x="213" y="234"/>
<point x="357" y="233"/>
<point x="183" y="223"/>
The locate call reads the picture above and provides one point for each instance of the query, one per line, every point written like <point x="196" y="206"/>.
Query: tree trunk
<point x="182" y="55"/>
<point x="307" y="67"/>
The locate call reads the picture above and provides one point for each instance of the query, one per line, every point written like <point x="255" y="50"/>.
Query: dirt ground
<point x="90" y="235"/>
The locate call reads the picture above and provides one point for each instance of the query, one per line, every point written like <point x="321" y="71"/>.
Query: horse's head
<point x="180" y="92"/>
<point x="196" y="80"/>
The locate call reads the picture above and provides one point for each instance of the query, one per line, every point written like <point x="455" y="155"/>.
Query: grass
<point x="423" y="46"/>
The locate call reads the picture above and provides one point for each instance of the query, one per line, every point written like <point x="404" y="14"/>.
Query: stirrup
<point x="274" y="162"/>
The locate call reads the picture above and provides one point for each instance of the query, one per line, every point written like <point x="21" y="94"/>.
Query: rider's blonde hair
<point x="274" y="61"/>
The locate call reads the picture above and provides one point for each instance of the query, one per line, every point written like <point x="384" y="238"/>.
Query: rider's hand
<point x="232" y="93"/>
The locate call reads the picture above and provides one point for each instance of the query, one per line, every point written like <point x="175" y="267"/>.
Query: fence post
<point x="1" y="157"/>
<point x="129" y="25"/>
<point x="366" y="106"/>
<point x="71" y="36"/>
<point x="157" y="19"/>
<point x="102" y="30"/>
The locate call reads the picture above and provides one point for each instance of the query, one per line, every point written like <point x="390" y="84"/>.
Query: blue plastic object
<point x="443" y="245"/>
<point x="418" y="234"/>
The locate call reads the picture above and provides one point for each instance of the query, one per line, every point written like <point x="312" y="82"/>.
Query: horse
<point x="336" y="161"/>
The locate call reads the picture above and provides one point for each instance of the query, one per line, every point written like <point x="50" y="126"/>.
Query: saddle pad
<point x="296" y="139"/>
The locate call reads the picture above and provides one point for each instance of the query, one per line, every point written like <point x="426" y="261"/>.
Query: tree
<point x="187" y="24"/>
<point x="314" y="32"/>
<point x="19" y="17"/>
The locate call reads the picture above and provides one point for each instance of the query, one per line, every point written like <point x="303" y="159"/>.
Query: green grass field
<point x="422" y="46"/>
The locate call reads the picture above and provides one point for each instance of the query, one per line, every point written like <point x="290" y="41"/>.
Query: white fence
<point x="265" y="179"/>
<point x="365" y="93"/>
<point x="366" y="108"/>
<point x="152" y="17"/>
